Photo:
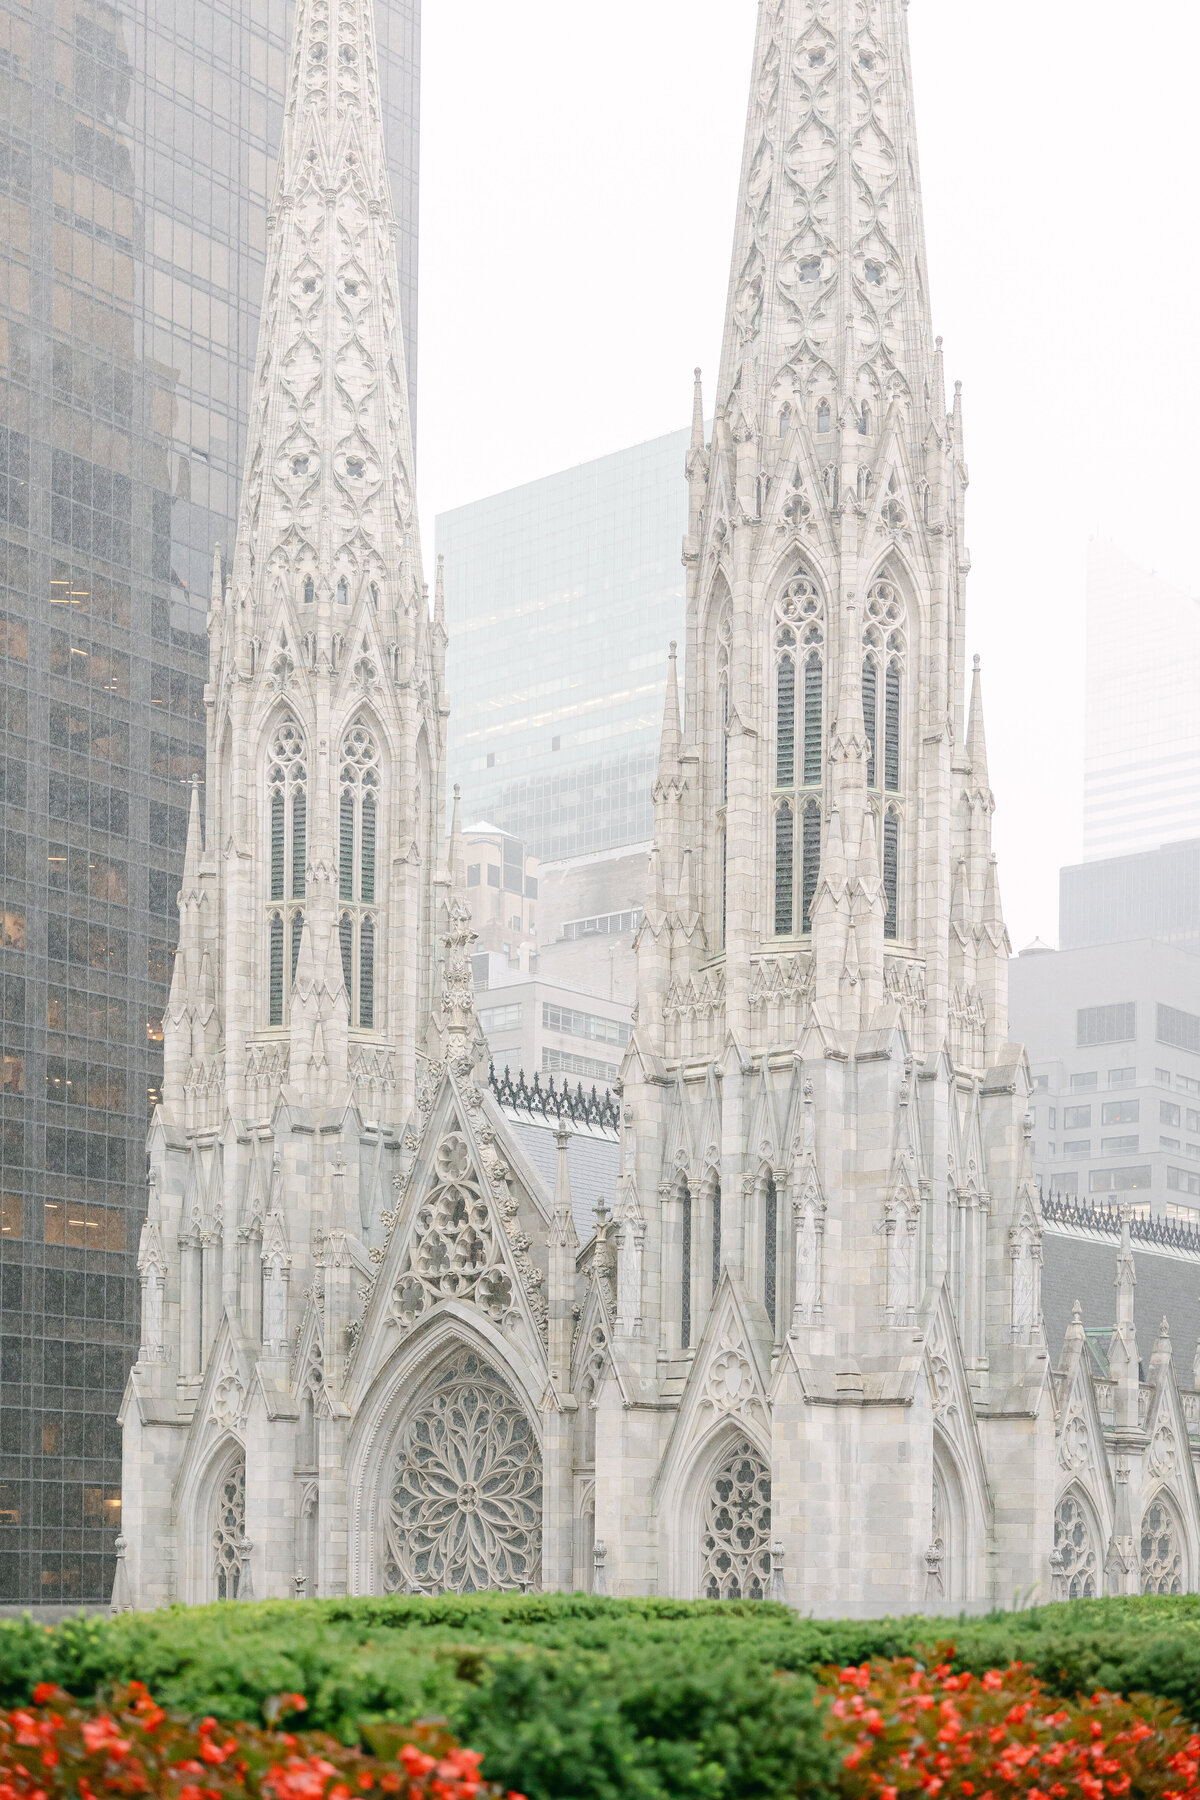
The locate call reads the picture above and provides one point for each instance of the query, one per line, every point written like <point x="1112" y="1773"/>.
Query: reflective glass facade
<point x="136" y="143"/>
<point x="561" y="600"/>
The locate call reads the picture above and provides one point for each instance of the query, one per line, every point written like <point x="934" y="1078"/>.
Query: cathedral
<point x="768" y="1321"/>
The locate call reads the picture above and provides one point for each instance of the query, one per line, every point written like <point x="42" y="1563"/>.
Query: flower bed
<point x="58" y="1750"/>
<point x="905" y="1731"/>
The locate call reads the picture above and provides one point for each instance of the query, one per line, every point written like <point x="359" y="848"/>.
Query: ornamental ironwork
<point x="1079" y="1571"/>
<point x="465" y="1506"/>
<point x="1162" y="1558"/>
<point x="229" y="1531"/>
<point x="601" y="1111"/>
<point x="735" y="1539"/>
<point x="1169" y="1234"/>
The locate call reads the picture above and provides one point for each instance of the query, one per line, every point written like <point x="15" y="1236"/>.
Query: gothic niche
<point x="464" y="1508"/>
<point x="735" y="1534"/>
<point x="454" y="1254"/>
<point x="1073" y="1543"/>
<point x="229" y="1530"/>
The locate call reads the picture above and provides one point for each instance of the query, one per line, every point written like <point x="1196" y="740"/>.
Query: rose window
<point x="465" y="1510"/>
<point x="735" y="1539"/>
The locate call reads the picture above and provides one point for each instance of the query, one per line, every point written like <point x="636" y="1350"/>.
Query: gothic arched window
<point x="358" y="885"/>
<point x="287" y="790"/>
<point x="229" y="1530"/>
<point x="885" y="663"/>
<point x="1162" y="1548"/>
<point x="735" y="1530"/>
<point x="799" y="650"/>
<point x="824" y="418"/>
<point x="1074" y="1545"/>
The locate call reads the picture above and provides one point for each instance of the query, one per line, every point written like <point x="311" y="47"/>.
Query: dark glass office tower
<point x="136" y="140"/>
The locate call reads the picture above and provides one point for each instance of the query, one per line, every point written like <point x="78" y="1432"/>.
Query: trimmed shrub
<point x="584" y="1696"/>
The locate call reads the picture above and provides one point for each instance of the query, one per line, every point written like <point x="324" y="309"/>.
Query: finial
<point x="674" y="648"/>
<point x="978" y="664"/>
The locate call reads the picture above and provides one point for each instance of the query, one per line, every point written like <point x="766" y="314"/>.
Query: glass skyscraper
<point x="561" y="600"/>
<point x="136" y="145"/>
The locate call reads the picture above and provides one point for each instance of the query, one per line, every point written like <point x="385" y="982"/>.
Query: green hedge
<point x="573" y="1696"/>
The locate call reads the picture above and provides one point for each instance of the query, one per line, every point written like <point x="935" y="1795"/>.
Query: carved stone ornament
<point x="1163" y="1457"/>
<point x="729" y="1384"/>
<point x="1075" y="1445"/>
<point x="454" y="1254"/>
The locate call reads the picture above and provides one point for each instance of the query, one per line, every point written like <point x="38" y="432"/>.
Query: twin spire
<point x="829" y="295"/>
<point x="328" y="509"/>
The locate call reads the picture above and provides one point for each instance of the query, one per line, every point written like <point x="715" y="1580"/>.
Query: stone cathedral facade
<point x="797" y="1349"/>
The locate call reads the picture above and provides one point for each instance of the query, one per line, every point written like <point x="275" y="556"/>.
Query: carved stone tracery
<point x="465" y="1497"/>
<point x="735" y="1538"/>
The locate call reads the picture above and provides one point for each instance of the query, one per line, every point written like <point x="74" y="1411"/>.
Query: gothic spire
<point x="977" y="735"/>
<point x="669" y="747"/>
<point x="828" y="298"/>
<point x="327" y="502"/>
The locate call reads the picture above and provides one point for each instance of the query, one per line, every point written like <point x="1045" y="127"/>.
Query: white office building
<point x="1114" y="1046"/>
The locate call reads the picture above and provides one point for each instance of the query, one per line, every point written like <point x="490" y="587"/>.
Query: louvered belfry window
<point x="785" y="873"/>
<point x="885" y="646"/>
<point x="810" y="864"/>
<point x="287" y="791"/>
<point x="891" y="873"/>
<point x="785" y="753"/>
<point x="799" y="653"/>
<point x="357" y="874"/>
<point x="870" y="703"/>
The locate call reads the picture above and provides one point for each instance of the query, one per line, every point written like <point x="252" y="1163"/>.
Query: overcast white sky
<point x="580" y="172"/>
